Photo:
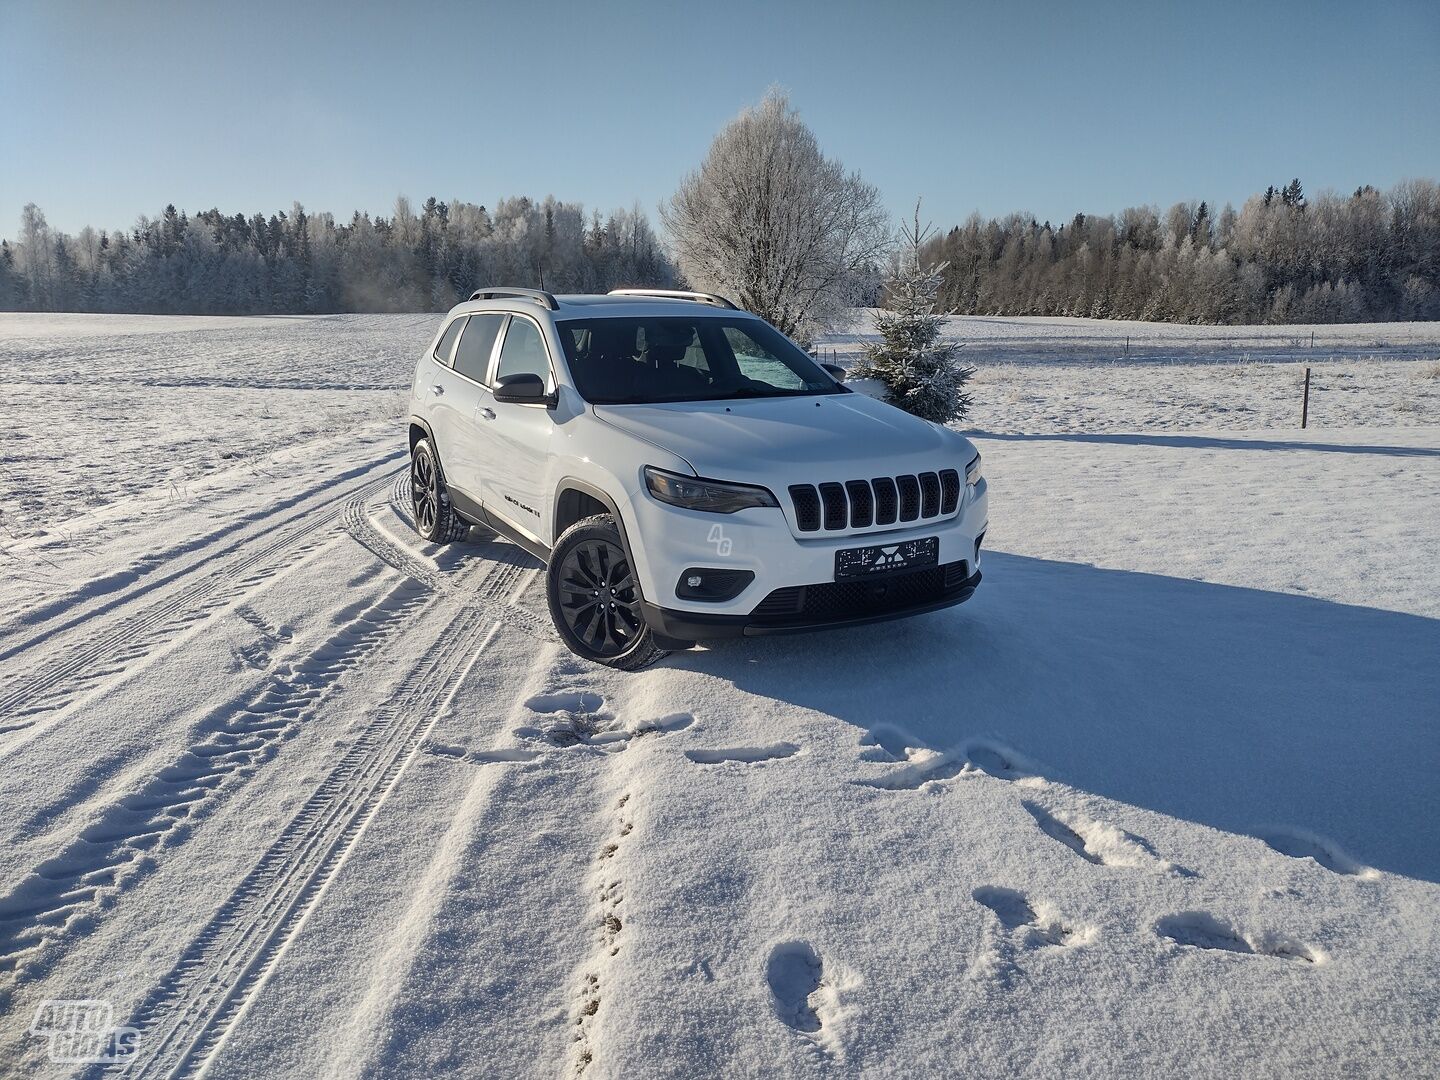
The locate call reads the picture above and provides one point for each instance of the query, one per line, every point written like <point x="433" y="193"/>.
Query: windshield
<point x="621" y="361"/>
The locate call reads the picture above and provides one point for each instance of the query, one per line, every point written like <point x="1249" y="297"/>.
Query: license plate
<point x="887" y="558"/>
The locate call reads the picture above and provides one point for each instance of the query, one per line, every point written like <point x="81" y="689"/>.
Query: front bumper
<point x="667" y="543"/>
<point x="841" y="604"/>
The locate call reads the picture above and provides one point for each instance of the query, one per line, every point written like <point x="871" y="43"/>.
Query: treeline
<point x="1282" y="259"/>
<point x="292" y="263"/>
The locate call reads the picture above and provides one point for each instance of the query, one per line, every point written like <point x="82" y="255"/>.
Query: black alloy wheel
<point x="599" y="599"/>
<point x="424" y="493"/>
<point x="595" y="599"/>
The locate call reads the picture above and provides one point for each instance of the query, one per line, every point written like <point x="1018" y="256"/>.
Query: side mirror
<point x="835" y="370"/>
<point x="523" y="388"/>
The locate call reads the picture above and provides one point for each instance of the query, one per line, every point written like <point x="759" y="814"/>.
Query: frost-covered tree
<point x="921" y="371"/>
<point x="770" y="221"/>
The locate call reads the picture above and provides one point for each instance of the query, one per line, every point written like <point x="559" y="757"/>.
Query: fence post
<point x="1305" y="407"/>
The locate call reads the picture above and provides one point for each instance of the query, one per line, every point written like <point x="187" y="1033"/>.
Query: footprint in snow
<point x="570" y="701"/>
<point x="1305" y="845"/>
<point x="1201" y="930"/>
<point x="748" y="754"/>
<point x="1016" y="914"/>
<point x="479" y="757"/>
<point x="1101" y="844"/>
<point x="1056" y="829"/>
<point x="996" y="760"/>
<point x="665" y="724"/>
<point x="572" y="717"/>
<point x="889" y="743"/>
<point x="795" y="973"/>
<point x="924" y="766"/>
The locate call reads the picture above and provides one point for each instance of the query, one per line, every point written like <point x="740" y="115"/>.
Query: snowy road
<point x="302" y="796"/>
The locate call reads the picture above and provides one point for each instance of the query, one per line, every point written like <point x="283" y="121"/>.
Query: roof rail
<point x="678" y="294"/>
<point x="540" y="296"/>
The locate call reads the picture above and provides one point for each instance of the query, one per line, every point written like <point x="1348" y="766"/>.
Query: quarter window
<point x="472" y="358"/>
<point x="445" y="348"/>
<point x="523" y="352"/>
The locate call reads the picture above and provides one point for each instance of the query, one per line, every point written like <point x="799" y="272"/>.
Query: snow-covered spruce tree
<point x="922" y="374"/>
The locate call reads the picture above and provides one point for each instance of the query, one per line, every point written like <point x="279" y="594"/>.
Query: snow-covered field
<point x="301" y="796"/>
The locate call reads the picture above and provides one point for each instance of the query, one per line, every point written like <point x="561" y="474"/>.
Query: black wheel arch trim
<point x="584" y="487"/>
<point x="424" y="425"/>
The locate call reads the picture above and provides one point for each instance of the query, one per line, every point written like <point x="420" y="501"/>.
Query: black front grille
<point x="859" y="504"/>
<point x="838" y="600"/>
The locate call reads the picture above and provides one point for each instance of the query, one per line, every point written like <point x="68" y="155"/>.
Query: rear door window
<point x="472" y="358"/>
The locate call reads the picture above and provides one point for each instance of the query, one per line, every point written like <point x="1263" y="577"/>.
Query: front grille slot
<point x="949" y="491"/>
<point x="862" y="504"/>
<point x="887" y="503"/>
<point x="884" y="500"/>
<point x="832" y="497"/>
<point x="909" y="497"/>
<point x="807" y="507"/>
<point x="929" y="494"/>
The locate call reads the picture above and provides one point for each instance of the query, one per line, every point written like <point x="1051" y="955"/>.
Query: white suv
<point x="685" y="471"/>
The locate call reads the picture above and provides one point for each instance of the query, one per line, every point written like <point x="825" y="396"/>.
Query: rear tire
<point x="595" y="598"/>
<point x="435" y="517"/>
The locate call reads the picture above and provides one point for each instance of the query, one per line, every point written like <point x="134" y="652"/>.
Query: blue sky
<point x="110" y="110"/>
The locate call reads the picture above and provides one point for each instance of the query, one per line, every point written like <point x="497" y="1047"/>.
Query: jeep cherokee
<point x="684" y="471"/>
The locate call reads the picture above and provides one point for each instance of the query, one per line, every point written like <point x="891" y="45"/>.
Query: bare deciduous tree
<point x="770" y="221"/>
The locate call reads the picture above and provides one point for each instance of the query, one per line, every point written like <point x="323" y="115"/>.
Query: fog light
<point x="712" y="583"/>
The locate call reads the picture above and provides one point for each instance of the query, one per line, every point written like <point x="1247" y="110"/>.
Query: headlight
<point x="712" y="496"/>
<point x="972" y="471"/>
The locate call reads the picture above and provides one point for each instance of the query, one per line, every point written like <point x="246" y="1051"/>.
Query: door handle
<point x="487" y="412"/>
<point x="437" y="389"/>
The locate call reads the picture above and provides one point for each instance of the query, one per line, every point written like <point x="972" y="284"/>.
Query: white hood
<point x="793" y="439"/>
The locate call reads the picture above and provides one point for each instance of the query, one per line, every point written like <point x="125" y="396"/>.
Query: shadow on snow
<point x="1237" y="708"/>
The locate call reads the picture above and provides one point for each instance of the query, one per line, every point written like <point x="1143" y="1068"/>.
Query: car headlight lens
<point x="972" y="471"/>
<point x="712" y="496"/>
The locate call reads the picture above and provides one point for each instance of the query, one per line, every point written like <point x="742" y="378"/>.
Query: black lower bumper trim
<point x="700" y="625"/>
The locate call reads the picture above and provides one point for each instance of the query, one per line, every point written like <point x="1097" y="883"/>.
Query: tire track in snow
<point x="133" y="832"/>
<point x="186" y="1017"/>
<point x="114" y="653"/>
<point x="174" y="562"/>
<point x="357" y="523"/>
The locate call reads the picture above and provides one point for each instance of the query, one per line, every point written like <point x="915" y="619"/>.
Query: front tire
<point x="435" y="517"/>
<point x="595" y="598"/>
